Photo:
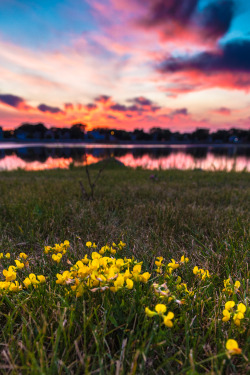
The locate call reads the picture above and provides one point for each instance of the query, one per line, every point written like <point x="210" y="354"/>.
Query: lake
<point x="50" y="156"/>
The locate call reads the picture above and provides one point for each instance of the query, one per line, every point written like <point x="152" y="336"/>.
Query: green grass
<point x="203" y="215"/>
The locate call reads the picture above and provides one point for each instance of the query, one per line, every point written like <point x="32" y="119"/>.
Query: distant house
<point x="49" y="134"/>
<point x="95" y="135"/>
<point x="21" y="134"/>
<point x="233" y="139"/>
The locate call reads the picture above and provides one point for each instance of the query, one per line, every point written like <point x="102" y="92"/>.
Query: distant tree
<point x="77" y="131"/>
<point x="140" y="135"/>
<point x="200" y="135"/>
<point x="32" y="130"/>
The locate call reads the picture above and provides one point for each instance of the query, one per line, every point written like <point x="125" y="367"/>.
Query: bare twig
<point x="92" y="185"/>
<point x="84" y="193"/>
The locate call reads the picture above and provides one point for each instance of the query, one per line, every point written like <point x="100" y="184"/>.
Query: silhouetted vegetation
<point x="78" y="132"/>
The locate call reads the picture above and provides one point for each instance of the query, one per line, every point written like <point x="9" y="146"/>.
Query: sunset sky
<point x="177" y="64"/>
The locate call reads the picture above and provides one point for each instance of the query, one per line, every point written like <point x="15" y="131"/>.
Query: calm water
<point x="49" y="156"/>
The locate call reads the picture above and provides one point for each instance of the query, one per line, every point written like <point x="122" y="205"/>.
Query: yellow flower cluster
<point x="104" y="269"/>
<point x="7" y="255"/>
<point x="34" y="280"/>
<point x="160" y="310"/>
<point x="170" y="267"/>
<point x="10" y="284"/>
<point x="231" y="288"/>
<point x="102" y="272"/>
<point x="58" y="250"/>
<point x="203" y="274"/>
<point x="238" y="315"/>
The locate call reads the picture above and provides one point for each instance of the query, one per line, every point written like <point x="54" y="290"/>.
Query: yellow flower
<point x="120" y="263"/>
<point x="229" y="305"/>
<point x="232" y="347"/>
<point x="88" y="244"/>
<point x="129" y="283"/>
<point x="7" y="255"/>
<point x="1" y="255"/>
<point x="160" y="309"/>
<point x="66" y="243"/>
<point x="85" y="260"/>
<point x="205" y="274"/>
<point x="145" y="276"/>
<point x="149" y="312"/>
<point x="15" y="287"/>
<point x="19" y="264"/>
<point x="226" y="283"/>
<point x="173" y="265"/>
<point x="137" y="269"/>
<point x="41" y="278"/>
<point x="57" y="257"/>
<point x="47" y="249"/>
<point x="241" y="308"/>
<point x="168" y="319"/>
<point x="61" y="279"/>
<point x="9" y="274"/>
<point x="23" y="256"/>
<point x="158" y="262"/>
<point x="236" y="284"/>
<point x="195" y="270"/>
<point x="227" y="316"/>
<point x="121" y="245"/>
<point x="95" y="255"/>
<point x="119" y="281"/>
<point x="184" y="260"/>
<point x="33" y="279"/>
<point x="27" y="282"/>
<point x="237" y="318"/>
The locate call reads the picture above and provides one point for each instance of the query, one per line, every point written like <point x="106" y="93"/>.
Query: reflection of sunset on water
<point x="176" y="160"/>
<point x="183" y="161"/>
<point x="13" y="162"/>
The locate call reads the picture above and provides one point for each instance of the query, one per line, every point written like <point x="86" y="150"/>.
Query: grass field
<point x="48" y="329"/>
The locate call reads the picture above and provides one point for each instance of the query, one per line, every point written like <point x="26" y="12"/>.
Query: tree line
<point x="79" y="131"/>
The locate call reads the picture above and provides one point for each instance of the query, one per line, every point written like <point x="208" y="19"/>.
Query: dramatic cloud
<point x="180" y="111"/>
<point x="232" y="57"/>
<point x="175" y="18"/>
<point x="141" y="104"/>
<point x="14" y="101"/>
<point x="68" y="106"/>
<point x="222" y="111"/>
<point x="102" y="99"/>
<point x="91" y="106"/>
<point x="163" y="11"/>
<point x="216" y="18"/>
<point x="141" y="101"/>
<point x="47" y="108"/>
<point x="123" y="108"/>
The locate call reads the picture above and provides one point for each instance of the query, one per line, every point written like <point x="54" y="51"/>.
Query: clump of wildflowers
<point x="101" y="272"/>
<point x="104" y="271"/>
<point x="34" y="280"/>
<point x="230" y="288"/>
<point x="202" y="274"/>
<point x="237" y="315"/>
<point x="160" y="310"/>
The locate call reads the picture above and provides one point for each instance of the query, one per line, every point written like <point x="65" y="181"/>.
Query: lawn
<point x="110" y="318"/>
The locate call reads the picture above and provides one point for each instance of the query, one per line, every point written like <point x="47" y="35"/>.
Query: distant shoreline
<point x="128" y="144"/>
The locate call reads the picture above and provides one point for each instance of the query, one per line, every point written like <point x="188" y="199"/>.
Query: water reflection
<point x="168" y="157"/>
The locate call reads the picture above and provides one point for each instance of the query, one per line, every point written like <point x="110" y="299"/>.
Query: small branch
<point x="84" y="193"/>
